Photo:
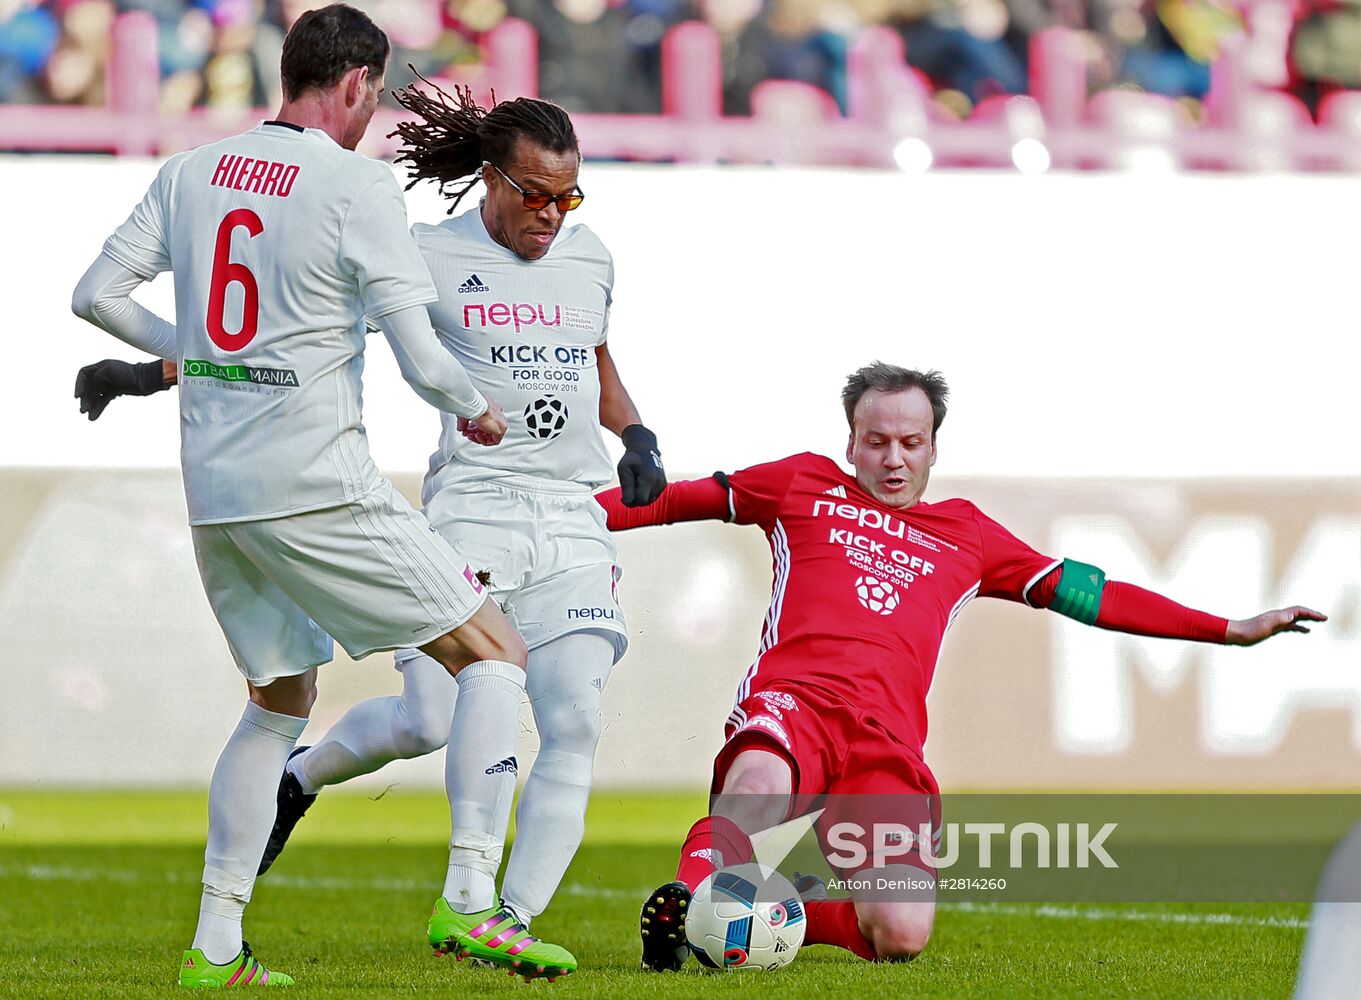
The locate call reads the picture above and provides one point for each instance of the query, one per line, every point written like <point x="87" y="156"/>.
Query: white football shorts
<point x="547" y="557"/>
<point x="374" y="574"/>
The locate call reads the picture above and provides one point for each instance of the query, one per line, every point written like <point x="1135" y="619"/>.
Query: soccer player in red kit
<point x="868" y="579"/>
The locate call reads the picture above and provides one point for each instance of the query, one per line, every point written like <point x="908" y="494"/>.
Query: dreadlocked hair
<point x="452" y="135"/>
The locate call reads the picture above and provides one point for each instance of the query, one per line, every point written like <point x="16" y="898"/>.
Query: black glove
<point x="103" y="381"/>
<point x="641" y="476"/>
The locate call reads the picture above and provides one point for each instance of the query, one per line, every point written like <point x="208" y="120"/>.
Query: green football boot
<point x="496" y="936"/>
<point x="197" y="973"/>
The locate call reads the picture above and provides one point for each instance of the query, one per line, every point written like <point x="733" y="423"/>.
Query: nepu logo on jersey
<point x="284" y="378"/>
<point x="867" y="517"/>
<point x="876" y="595"/>
<point x="546" y="417"/>
<point x="473" y="284"/>
<point x="520" y="314"/>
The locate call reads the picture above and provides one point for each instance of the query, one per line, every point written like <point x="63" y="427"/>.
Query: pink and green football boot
<point x="197" y="973"/>
<point x="495" y="935"/>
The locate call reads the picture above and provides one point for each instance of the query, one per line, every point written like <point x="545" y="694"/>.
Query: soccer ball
<point x="745" y="917"/>
<point x="875" y="594"/>
<point x="546" y="417"/>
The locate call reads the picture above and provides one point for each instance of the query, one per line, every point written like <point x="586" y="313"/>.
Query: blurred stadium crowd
<point x="604" y="56"/>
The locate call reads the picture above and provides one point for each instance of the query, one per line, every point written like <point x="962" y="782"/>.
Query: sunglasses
<point x="535" y="201"/>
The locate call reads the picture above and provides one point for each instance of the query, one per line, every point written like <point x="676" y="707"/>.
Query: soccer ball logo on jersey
<point x="876" y="595"/>
<point x="546" y="418"/>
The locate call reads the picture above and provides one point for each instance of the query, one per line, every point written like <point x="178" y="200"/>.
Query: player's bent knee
<point x="419" y="735"/>
<point x="293" y="695"/>
<point x="898" y="937"/>
<point x="900" y="946"/>
<point x="574" y="729"/>
<point x="758" y="772"/>
<point x="754" y="783"/>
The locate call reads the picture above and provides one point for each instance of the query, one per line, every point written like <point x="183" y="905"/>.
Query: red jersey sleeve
<point x="756" y="493"/>
<point x="748" y="496"/>
<point x="1127" y="608"/>
<point x="682" y="500"/>
<point x="1010" y="566"/>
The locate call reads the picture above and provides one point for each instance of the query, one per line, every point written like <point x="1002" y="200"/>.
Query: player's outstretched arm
<point x="687" y="500"/>
<point x="435" y="374"/>
<point x="641" y="474"/>
<point x="1080" y="591"/>
<point x="103" y="296"/>
<point x="1250" y="631"/>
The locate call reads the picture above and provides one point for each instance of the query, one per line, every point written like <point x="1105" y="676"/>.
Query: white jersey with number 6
<point x="526" y="333"/>
<point x="280" y="242"/>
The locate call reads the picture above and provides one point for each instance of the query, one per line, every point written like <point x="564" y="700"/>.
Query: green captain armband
<point x="1078" y="595"/>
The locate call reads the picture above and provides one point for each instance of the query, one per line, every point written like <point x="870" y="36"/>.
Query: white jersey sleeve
<point x="428" y="368"/>
<point x="377" y="251"/>
<point x="142" y="243"/>
<point x="526" y="333"/>
<point x="609" y="297"/>
<point x="104" y="298"/>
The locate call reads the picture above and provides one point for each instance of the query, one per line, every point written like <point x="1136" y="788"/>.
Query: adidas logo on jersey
<point x="503" y="766"/>
<point x="473" y="284"/>
<point x="836" y="491"/>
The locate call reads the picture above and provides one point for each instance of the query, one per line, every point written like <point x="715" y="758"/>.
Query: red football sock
<point x="713" y="841"/>
<point x="833" y="921"/>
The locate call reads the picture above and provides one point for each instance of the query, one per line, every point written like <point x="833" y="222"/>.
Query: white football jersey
<point x="280" y="242"/>
<point x="526" y="332"/>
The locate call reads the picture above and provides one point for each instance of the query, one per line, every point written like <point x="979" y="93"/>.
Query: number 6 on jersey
<point x="225" y="272"/>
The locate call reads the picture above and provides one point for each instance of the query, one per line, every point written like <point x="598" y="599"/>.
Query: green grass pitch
<point x="99" y="894"/>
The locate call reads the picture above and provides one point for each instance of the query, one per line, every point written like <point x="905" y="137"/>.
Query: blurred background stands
<point x="1199" y="83"/>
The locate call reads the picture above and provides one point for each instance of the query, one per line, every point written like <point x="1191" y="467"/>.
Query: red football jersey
<point x="863" y="593"/>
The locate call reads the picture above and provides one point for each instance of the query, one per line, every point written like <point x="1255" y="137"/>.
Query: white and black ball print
<point x="876" y="595"/>
<point x="546" y="417"/>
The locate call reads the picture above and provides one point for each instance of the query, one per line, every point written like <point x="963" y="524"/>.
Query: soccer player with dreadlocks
<point x="524" y="305"/>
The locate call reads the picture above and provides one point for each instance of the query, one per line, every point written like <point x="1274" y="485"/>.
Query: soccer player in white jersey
<point x="524" y="304"/>
<point x="281" y="241"/>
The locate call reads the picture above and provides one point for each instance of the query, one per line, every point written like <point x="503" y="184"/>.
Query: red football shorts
<point x="878" y="798"/>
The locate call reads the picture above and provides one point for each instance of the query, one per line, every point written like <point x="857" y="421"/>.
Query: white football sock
<point x="565" y="681"/>
<point x="1330" y="968"/>
<point x="479" y="773"/>
<point x="381" y="730"/>
<point x="241" y="805"/>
